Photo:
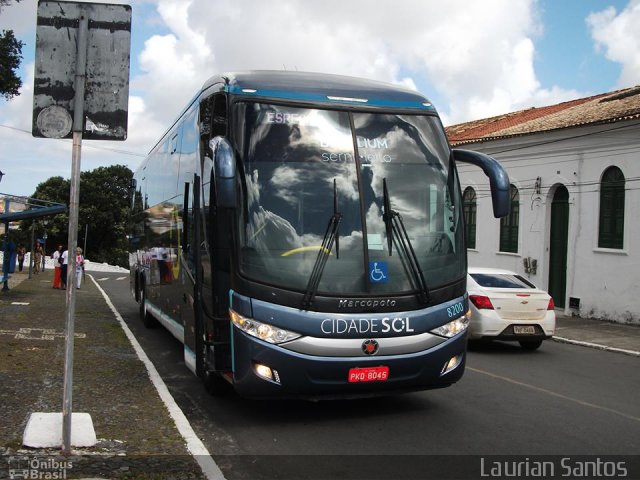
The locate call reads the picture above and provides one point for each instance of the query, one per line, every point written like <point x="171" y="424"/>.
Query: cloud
<point x="618" y="36"/>
<point x="477" y="58"/>
<point x="477" y="55"/>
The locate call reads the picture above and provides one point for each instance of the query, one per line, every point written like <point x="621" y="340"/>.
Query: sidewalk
<point x="136" y="436"/>
<point x="595" y="333"/>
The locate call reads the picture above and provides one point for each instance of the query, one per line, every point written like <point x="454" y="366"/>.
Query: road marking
<point x="554" y="394"/>
<point x="20" y="303"/>
<point x="122" y="278"/>
<point x="103" y="279"/>
<point x="26" y="333"/>
<point x="199" y="452"/>
<point x="596" y="345"/>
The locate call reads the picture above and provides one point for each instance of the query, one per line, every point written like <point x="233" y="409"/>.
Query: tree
<point x="104" y="212"/>
<point x="55" y="189"/>
<point x="10" y="57"/>
<point x="104" y="207"/>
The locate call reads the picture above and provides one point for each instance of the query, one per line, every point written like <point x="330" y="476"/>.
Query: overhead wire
<point x="88" y="145"/>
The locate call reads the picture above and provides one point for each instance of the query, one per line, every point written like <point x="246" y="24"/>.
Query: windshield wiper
<point x="330" y="237"/>
<point x="396" y="231"/>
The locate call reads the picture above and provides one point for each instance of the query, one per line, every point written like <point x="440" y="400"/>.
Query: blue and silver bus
<point x="302" y="235"/>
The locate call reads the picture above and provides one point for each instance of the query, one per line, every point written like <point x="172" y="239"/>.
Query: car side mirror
<point x="224" y="161"/>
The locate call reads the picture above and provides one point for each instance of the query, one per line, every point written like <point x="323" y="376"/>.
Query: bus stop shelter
<point x="30" y="208"/>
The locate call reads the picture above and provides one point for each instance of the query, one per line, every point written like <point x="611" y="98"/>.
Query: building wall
<point x="606" y="281"/>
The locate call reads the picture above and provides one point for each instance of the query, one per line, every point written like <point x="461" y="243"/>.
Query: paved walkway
<point x="598" y="334"/>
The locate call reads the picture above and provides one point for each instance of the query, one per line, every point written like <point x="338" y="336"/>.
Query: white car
<point x="506" y="306"/>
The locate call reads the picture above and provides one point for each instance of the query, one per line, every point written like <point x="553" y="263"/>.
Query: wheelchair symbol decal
<point x="378" y="272"/>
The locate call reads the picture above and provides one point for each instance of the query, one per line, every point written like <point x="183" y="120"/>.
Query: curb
<point x="195" y="446"/>
<point x="596" y="346"/>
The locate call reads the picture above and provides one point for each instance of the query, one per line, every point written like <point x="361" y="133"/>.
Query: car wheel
<point x="530" y="344"/>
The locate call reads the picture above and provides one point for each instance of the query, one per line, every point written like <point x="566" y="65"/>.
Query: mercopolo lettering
<point x="361" y="326"/>
<point x="366" y="303"/>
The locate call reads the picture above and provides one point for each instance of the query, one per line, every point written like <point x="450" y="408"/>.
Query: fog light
<point x="451" y="364"/>
<point x="267" y="372"/>
<point x="264" y="371"/>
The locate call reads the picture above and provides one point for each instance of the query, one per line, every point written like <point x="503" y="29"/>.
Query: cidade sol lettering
<point x="366" y="326"/>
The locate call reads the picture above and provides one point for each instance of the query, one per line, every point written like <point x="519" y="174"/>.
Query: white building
<point x="574" y="227"/>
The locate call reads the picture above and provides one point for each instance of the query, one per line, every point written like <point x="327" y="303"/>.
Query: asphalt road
<point x="561" y="400"/>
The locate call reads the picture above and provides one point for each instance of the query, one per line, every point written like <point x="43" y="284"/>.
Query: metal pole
<point x="44" y="250"/>
<point x="6" y="259"/>
<point x="78" y="124"/>
<point x="86" y="232"/>
<point x="32" y="253"/>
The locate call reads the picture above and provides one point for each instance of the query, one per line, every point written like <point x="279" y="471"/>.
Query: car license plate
<point x="524" y="330"/>
<point x="369" y="374"/>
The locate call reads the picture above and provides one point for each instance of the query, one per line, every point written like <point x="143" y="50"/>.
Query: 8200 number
<point x="456" y="310"/>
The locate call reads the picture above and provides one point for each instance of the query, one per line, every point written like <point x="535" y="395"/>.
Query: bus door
<point x="214" y="260"/>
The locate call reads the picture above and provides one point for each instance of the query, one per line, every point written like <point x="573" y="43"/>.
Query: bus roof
<point x="320" y="88"/>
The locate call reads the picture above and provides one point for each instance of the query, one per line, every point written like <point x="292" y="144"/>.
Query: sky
<point x="472" y="58"/>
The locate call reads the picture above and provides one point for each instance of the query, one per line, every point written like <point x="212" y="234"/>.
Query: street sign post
<point x="81" y="89"/>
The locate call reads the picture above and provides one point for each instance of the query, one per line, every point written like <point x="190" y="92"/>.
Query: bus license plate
<point x="370" y="374"/>
<point x="524" y="330"/>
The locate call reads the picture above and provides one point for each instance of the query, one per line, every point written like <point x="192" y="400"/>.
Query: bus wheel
<point x="148" y="320"/>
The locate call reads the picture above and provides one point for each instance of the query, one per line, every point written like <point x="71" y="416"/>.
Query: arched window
<point x="469" y="205"/>
<point x="509" y="224"/>
<point x="611" y="225"/>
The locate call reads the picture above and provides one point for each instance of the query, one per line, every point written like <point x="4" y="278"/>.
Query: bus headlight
<point x="452" y="328"/>
<point x="261" y="330"/>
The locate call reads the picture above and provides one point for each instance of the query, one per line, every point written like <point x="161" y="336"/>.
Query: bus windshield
<point x="301" y="166"/>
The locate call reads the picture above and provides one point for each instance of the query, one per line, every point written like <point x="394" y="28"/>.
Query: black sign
<point x="106" y="80"/>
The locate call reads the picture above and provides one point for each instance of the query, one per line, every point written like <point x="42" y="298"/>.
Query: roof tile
<point x="603" y="108"/>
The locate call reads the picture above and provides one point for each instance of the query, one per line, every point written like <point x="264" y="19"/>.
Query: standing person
<point x="79" y="266"/>
<point x="57" y="273"/>
<point x="38" y="258"/>
<point x="21" y="254"/>
<point x="63" y="268"/>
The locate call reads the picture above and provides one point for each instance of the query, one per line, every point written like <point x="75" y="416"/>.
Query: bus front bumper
<point x="263" y="370"/>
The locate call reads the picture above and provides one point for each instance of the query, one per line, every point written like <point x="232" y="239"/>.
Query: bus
<point x="302" y="235"/>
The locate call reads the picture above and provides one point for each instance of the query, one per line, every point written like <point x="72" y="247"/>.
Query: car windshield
<point x="501" y="280"/>
<point x="302" y="166"/>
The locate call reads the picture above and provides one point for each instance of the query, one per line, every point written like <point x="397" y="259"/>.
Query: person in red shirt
<point x="57" y="273"/>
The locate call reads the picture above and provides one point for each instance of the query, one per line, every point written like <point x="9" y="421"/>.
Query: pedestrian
<point x="63" y="268"/>
<point x="79" y="266"/>
<point x="21" y="254"/>
<point x="57" y="263"/>
<point x="38" y="258"/>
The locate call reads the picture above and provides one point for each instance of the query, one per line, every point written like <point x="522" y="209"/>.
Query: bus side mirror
<point x="498" y="178"/>
<point x="224" y="162"/>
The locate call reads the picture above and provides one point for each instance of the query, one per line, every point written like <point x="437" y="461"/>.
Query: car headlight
<point x="261" y="330"/>
<point x="454" y="327"/>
